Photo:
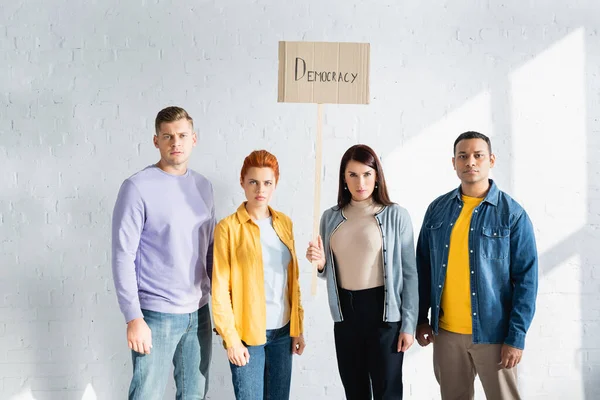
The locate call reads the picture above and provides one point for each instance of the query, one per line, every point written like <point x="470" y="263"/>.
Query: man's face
<point x="175" y="141"/>
<point x="472" y="161"/>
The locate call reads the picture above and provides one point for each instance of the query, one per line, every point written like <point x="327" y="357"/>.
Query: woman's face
<point x="259" y="185"/>
<point x="360" y="180"/>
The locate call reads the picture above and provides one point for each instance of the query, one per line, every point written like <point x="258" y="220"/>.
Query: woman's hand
<point x="238" y="355"/>
<point x="298" y="344"/>
<point x="405" y="340"/>
<point x="316" y="254"/>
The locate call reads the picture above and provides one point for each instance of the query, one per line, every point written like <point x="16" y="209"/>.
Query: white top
<point x="276" y="259"/>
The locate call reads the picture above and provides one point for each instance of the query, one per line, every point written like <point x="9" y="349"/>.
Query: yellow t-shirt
<point x="456" y="296"/>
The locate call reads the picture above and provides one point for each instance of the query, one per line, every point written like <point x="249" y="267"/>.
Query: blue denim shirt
<point x="503" y="263"/>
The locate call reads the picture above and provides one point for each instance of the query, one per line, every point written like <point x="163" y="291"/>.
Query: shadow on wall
<point x="66" y="336"/>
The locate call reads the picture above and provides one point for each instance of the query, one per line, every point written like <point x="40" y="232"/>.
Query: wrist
<point x="236" y="345"/>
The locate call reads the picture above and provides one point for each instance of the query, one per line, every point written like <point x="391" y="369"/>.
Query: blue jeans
<point x="268" y="374"/>
<point x="184" y="339"/>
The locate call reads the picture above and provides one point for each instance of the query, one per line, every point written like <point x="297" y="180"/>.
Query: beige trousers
<point x="456" y="362"/>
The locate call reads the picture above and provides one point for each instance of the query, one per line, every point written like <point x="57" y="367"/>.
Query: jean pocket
<point x="495" y="244"/>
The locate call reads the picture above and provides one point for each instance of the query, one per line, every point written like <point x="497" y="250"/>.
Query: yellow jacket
<point x="238" y="294"/>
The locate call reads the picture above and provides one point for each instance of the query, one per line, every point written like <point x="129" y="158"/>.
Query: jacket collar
<point x="243" y="216"/>
<point x="341" y="211"/>
<point x="491" y="197"/>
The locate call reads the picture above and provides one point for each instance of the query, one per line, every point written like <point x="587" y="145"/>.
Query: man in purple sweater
<point x="162" y="240"/>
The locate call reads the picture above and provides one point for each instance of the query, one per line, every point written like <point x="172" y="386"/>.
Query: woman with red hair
<point x="255" y="289"/>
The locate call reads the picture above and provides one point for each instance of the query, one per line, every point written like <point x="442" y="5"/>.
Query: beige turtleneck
<point x="357" y="245"/>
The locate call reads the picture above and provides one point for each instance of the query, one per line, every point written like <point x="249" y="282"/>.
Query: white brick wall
<point x="80" y="84"/>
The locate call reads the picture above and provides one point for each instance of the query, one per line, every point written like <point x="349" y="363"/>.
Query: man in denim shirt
<point x="478" y="273"/>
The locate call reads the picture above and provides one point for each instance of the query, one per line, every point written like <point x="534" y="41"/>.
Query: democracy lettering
<point x="322" y="76"/>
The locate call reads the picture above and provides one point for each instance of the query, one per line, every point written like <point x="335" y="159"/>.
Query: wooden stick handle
<point x="317" y="188"/>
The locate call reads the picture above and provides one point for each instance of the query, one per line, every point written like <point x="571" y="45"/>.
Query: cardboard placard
<point x="324" y="72"/>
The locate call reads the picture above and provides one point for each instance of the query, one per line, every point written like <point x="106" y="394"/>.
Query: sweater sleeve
<point x="410" y="290"/>
<point x="323" y="233"/>
<point x="211" y="233"/>
<point x="127" y="226"/>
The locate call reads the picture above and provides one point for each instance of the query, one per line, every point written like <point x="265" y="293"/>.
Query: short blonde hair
<point x="171" y="114"/>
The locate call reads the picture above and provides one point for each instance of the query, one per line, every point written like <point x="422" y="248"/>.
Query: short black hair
<point x="472" y="135"/>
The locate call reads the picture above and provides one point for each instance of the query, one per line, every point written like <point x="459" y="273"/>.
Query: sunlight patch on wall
<point x="89" y="393"/>
<point x="558" y="290"/>
<point x="421" y="169"/>
<point x="24" y="395"/>
<point x="549" y="139"/>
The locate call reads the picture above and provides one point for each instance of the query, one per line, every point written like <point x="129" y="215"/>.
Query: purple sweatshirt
<point x="162" y="241"/>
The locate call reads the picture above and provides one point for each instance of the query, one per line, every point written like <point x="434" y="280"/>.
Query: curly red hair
<point x="260" y="159"/>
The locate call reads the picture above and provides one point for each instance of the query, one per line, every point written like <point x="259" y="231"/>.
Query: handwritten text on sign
<point x="323" y="76"/>
<point x="324" y="72"/>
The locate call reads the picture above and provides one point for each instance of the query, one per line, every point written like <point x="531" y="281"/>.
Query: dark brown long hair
<point x="365" y="155"/>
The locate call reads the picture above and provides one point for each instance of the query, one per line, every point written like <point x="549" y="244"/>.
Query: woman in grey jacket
<point x="366" y="254"/>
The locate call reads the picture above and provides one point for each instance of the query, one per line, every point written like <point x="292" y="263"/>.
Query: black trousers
<point x="366" y="347"/>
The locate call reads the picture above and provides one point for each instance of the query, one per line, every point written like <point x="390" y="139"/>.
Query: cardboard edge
<point x="368" y="94"/>
<point x="281" y="73"/>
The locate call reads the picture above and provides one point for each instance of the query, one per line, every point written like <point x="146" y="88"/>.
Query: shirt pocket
<point x="495" y="243"/>
<point x="434" y="231"/>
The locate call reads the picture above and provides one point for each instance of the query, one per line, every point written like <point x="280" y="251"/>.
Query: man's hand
<point x="298" y="344"/>
<point x="405" y="340"/>
<point x="238" y="355"/>
<point x="510" y="356"/>
<point x="139" y="336"/>
<point x="424" y="334"/>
